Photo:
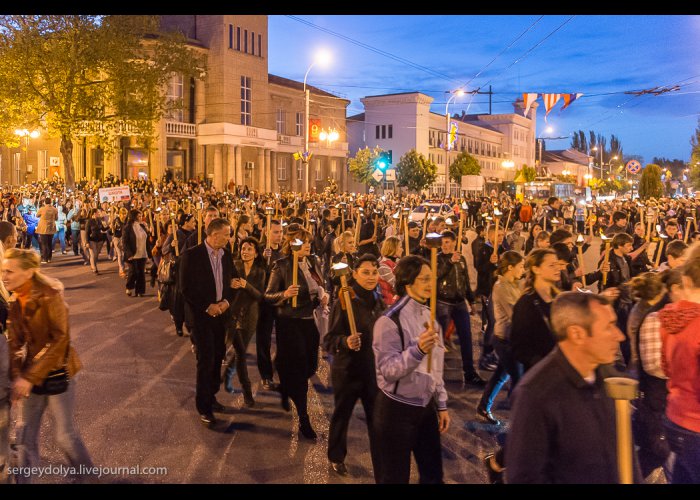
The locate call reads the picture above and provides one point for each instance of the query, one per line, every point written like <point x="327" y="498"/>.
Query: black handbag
<point x="56" y="382"/>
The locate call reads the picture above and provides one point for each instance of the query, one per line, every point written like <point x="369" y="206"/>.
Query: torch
<point x="623" y="390"/>
<point x="433" y="241"/>
<point x="357" y="225"/>
<point x="343" y="208"/>
<point x="199" y="222"/>
<point x="268" y="213"/>
<point x="555" y="223"/>
<point x="461" y="227"/>
<point x="295" y="246"/>
<point x="579" y="244"/>
<point x="662" y="240"/>
<point x="607" y="256"/>
<point x="591" y="217"/>
<point x="343" y="270"/>
<point x="650" y="221"/>
<point x="688" y="221"/>
<point x="406" y="216"/>
<point x="496" y="216"/>
<point x="172" y="220"/>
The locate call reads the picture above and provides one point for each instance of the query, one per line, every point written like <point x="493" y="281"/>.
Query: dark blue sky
<point x="600" y="56"/>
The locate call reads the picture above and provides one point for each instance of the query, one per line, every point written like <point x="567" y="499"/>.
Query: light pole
<point x="26" y="134"/>
<point x="322" y="58"/>
<point x="540" y="140"/>
<point x="448" y="145"/>
<point x="595" y="148"/>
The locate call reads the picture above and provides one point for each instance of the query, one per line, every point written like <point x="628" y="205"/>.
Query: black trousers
<point x="263" y="341"/>
<point x="347" y="389"/>
<point x="136" y="275"/>
<point x="177" y="306"/>
<point x="401" y="429"/>
<point x="209" y="336"/>
<point x="297" y="358"/>
<point x="46" y="246"/>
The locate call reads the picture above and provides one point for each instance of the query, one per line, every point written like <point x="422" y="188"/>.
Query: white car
<point x="442" y="209"/>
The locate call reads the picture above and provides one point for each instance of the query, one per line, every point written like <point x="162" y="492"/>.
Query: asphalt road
<point x="135" y="404"/>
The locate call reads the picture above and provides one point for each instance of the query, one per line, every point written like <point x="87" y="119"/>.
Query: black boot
<point x="305" y="427"/>
<point x="248" y="396"/>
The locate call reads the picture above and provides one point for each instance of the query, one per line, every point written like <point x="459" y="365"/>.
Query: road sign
<point x="633" y="166"/>
<point x="391" y="174"/>
<point x="378" y="175"/>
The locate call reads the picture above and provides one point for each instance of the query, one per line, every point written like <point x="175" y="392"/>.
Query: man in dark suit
<point x="205" y="277"/>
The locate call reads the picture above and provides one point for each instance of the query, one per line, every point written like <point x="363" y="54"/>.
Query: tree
<point x="415" y="172"/>
<point x="362" y="165"/>
<point x="100" y="76"/>
<point x="651" y="186"/>
<point x="464" y="164"/>
<point x="530" y="173"/>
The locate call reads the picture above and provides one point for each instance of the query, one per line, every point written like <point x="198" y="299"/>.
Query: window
<point x="175" y="95"/>
<point x="16" y="164"/>
<point x="300" y="171"/>
<point x="391" y="131"/>
<point x="377" y="132"/>
<point x="259" y="45"/>
<point x="300" y="124"/>
<point x="252" y="42"/>
<point x="282" y="168"/>
<point x="334" y="168"/>
<point x="281" y="119"/>
<point x="318" y="170"/>
<point x="383" y="131"/>
<point x="238" y="38"/>
<point x="230" y="36"/>
<point x="42" y="161"/>
<point x="246" y="101"/>
<point x="245" y="41"/>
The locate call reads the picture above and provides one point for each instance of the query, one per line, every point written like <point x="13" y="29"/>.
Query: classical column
<point x="273" y="172"/>
<point x="218" y="167"/>
<point x="268" y="171"/>
<point x="230" y="164"/>
<point x="239" y="165"/>
<point x="260" y="169"/>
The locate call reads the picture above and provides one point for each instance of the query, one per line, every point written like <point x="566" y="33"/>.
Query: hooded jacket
<point x="680" y="334"/>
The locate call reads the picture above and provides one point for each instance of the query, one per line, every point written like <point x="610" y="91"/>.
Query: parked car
<point x="443" y="209"/>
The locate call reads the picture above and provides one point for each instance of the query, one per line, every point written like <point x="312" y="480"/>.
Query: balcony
<point x="95" y="127"/>
<point x="179" y="129"/>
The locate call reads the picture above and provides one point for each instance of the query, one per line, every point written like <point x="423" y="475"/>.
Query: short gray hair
<point x="217" y="224"/>
<point x="574" y="309"/>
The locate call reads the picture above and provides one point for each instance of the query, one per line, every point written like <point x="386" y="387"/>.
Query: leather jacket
<point x="43" y="328"/>
<point x="281" y="279"/>
<point x="453" y="280"/>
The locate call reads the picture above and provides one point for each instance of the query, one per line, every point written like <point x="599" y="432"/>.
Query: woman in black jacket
<point x="136" y="251"/>
<point x="535" y="229"/>
<point x="96" y="236"/>
<point x="531" y="335"/>
<point x="297" y="335"/>
<point x="249" y="283"/>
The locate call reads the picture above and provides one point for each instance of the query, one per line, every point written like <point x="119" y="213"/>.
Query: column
<point x="268" y="171"/>
<point x="273" y="172"/>
<point x="238" y="153"/>
<point x="260" y="169"/>
<point x="293" y="183"/>
<point x="230" y="164"/>
<point x="218" y="167"/>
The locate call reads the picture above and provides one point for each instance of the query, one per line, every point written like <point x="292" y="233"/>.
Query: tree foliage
<point x="100" y="76"/>
<point x="651" y="186"/>
<point x="464" y="164"/>
<point x="415" y="172"/>
<point x="530" y="173"/>
<point x="362" y="165"/>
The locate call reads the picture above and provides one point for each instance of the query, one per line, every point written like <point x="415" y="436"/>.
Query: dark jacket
<point x="366" y="232"/>
<point x="531" y="337"/>
<point x="485" y="271"/>
<point x="281" y="279"/>
<point x="453" y="280"/>
<point x="96" y="230"/>
<point x="642" y="263"/>
<point x="252" y="294"/>
<point x="197" y="285"/>
<point x="129" y="241"/>
<point x="563" y="428"/>
<point x="367" y="306"/>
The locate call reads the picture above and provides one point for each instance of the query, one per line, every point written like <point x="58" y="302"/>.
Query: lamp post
<point x="595" y="148"/>
<point x="322" y="58"/>
<point x="455" y="93"/>
<point x="26" y="134"/>
<point x="540" y="140"/>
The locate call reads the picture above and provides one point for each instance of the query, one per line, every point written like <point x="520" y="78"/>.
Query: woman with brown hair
<point x="297" y="335"/>
<point x="391" y="253"/>
<point x="43" y="363"/>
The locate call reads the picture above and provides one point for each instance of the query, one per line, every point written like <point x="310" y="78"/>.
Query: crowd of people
<point x="382" y="284"/>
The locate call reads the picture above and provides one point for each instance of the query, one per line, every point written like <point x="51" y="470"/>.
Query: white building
<point x="401" y="122"/>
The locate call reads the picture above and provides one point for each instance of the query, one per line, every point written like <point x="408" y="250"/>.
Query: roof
<point x="357" y="118"/>
<point x="293" y="84"/>
<point x="396" y="93"/>
<point x="566" y="155"/>
<point x="470" y="121"/>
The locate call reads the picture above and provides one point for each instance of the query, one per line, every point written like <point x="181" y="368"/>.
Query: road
<point x="135" y="404"/>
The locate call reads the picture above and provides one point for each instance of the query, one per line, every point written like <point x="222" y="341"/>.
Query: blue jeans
<point x="460" y="315"/>
<point x="61" y="237"/>
<point x="508" y="368"/>
<point x="67" y="437"/>
<point x="686" y="445"/>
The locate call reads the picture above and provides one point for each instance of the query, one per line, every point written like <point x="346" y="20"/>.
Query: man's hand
<point x="21" y="388"/>
<point x="292" y="291"/>
<point x="494" y="258"/>
<point x="611" y="293"/>
<point x="324" y="301"/>
<point x="455" y="257"/>
<point x="443" y="421"/>
<point x="354" y="342"/>
<point x="267" y="253"/>
<point x="604" y="267"/>
<point x="223" y="306"/>
<point x="579" y="272"/>
<point x="427" y="338"/>
<point x="213" y="310"/>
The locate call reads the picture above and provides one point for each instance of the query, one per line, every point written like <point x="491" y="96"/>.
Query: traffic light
<point x="383" y="160"/>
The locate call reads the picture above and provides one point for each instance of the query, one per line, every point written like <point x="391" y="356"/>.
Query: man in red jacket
<point x="680" y="333"/>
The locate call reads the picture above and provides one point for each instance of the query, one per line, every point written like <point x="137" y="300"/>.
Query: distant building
<point x="570" y="160"/>
<point x="401" y="122"/>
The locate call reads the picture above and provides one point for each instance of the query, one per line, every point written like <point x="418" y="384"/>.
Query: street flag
<point x="549" y="101"/>
<point x="568" y="99"/>
<point x="528" y="99"/>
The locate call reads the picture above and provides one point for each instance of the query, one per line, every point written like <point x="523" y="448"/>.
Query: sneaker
<point x="486" y="415"/>
<point x="42" y="261"/>
<point x="488" y="362"/>
<point x="474" y="380"/>
<point x="269" y="385"/>
<point x="339" y="468"/>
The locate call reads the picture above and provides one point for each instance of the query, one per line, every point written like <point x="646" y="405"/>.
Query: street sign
<point x="391" y="174"/>
<point x="378" y="175"/>
<point x="633" y="166"/>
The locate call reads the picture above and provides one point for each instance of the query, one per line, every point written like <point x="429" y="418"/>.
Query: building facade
<point x="239" y="124"/>
<point x="401" y="122"/>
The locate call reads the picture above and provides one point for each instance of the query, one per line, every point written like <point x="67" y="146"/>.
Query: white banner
<point x="118" y="193"/>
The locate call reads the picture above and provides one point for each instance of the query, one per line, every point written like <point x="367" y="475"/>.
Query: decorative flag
<point x="549" y="101"/>
<point x="528" y="99"/>
<point x="568" y="99"/>
<point x="453" y="136"/>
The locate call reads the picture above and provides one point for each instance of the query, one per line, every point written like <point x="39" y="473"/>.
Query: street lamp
<point x="595" y="148"/>
<point x="540" y="140"/>
<point x="26" y="134"/>
<point x="448" y="145"/>
<point x="323" y="58"/>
